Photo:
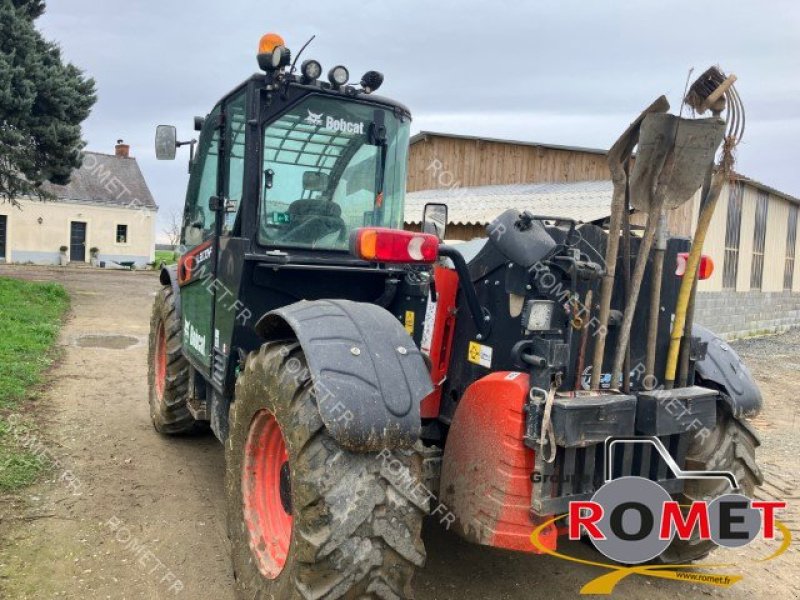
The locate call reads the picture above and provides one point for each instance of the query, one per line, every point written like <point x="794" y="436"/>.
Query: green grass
<point x="168" y="256"/>
<point x="30" y="320"/>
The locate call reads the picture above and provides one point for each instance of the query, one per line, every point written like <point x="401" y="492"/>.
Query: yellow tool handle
<point x="689" y="275"/>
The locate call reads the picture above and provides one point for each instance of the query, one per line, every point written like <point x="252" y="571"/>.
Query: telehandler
<point x="362" y="376"/>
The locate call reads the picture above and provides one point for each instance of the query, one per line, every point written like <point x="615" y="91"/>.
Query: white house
<point x="106" y="207"/>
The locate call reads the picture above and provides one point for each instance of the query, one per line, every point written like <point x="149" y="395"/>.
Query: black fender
<point x="368" y="375"/>
<point x="169" y="276"/>
<point x="723" y="367"/>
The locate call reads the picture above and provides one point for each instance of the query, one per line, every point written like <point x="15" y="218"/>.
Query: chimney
<point x="122" y="150"/>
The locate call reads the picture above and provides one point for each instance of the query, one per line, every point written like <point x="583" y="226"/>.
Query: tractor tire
<point x="169" y="370"/>
<point x="308" y="519"/>
<point x="730" y="446"/>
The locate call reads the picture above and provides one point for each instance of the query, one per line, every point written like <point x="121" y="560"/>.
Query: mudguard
<point x="169" y="276"/>
<point x="723" y="367"/>
<point x="368" y="375"/>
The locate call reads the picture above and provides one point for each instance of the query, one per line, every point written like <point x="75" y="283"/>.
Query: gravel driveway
<point x="130" y="514"/>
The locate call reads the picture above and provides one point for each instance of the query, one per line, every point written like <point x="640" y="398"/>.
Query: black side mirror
<point x="166" y="142"/>
<point x="434" y="219"/>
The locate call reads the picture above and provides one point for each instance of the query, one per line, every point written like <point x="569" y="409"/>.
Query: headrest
<point x="323" y="208"/>
<point x="315" y="181"/>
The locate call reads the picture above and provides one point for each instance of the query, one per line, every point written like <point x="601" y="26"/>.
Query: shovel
<point x="673" y="158"/>
<point x="618" y="155"/>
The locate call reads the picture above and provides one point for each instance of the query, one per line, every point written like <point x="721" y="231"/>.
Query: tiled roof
<point x="106" y="179"/>
<point x="583" y="201"/>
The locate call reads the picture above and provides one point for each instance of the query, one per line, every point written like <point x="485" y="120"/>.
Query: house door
<point x="77" y="242"/>
<point x="3" y="237"/>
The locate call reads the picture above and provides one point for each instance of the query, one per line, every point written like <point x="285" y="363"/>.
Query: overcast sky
<point x="564" y="72"/>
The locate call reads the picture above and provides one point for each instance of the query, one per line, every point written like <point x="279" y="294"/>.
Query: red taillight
<point x="380" y="244"/>
<point x="704" y="270"/>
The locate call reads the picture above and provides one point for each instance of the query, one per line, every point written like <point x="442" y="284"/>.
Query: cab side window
<point x="199" y="220"/>
<point x="235" y="144"/>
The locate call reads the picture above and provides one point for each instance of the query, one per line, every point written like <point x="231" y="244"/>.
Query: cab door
<point x="197" y="264"/>
<point x="228" y="310"/>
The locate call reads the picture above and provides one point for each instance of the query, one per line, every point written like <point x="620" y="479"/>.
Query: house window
<point x="759" y="240"/>
<point x="791" y="242"/>
<point x="733" y="231"/>
<point x="122" y="234"/>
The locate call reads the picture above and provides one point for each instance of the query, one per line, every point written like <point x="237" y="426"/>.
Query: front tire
<point x="307" y="518"/>
<point x="169" y="370"/>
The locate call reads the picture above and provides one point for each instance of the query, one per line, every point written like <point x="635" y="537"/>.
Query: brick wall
<point x="733" y="314"/>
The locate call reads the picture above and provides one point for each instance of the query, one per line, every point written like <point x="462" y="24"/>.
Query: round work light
<point x="311" y="70"/>
<point x="338" y="76"/>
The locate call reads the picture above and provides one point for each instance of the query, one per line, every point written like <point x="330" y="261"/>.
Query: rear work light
<point x="380" y="244"/>
<point x="704" y="270"/>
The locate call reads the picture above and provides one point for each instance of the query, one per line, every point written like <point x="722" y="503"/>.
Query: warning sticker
<point x="427" y="326"/>
<point x="409" y="325"/>
<point x="480" y="354"/>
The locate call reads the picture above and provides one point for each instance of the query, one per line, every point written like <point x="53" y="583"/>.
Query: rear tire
<point x="730" y="446"/>
<point x="355" y="530"/>
<point x="169" y="370"/>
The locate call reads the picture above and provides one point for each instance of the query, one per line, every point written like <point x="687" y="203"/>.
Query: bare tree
<point x="173" y="229"/>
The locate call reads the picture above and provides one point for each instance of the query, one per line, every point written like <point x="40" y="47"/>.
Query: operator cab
<point x="330" y="166"/>
<point x="294" y="163"/>
<point x="285" y="168"/>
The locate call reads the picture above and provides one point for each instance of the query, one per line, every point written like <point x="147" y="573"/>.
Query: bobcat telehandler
<point x="362" y="377"/>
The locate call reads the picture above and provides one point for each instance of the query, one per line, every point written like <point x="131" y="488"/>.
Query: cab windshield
<point x="331" y="166"/>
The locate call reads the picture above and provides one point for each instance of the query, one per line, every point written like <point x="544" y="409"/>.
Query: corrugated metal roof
<point x="422" y="135"/>
<point x="765" y="188"/>
<point x="583" y="201"/>
<point x="107" y="180"/>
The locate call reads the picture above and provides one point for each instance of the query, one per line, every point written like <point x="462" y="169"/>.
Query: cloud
<point x="569" y="72"/>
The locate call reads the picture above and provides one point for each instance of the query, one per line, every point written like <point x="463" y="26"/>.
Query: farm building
<point x="752" y="240"/>
<point x="107" y="206"/>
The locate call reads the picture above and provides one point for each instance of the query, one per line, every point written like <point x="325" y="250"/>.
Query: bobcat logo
<point x="314" y="118"/>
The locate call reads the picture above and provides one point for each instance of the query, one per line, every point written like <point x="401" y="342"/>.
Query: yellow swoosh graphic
<point x="604" y="584"/>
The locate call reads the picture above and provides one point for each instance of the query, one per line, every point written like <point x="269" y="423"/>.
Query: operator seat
<point x="312" y="219"/>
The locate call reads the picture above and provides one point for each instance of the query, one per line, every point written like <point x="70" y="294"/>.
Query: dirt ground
<point x="130" y="514"/>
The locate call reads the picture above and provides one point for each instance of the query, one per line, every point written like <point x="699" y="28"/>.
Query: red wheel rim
<point x="161" y="360"/>
<point x="266" y="491"/>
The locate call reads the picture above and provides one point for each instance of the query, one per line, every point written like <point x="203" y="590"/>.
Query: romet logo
<point x="636" y="531"/>
<point x="334" y="124"/>
<point x="633" y="520"/>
